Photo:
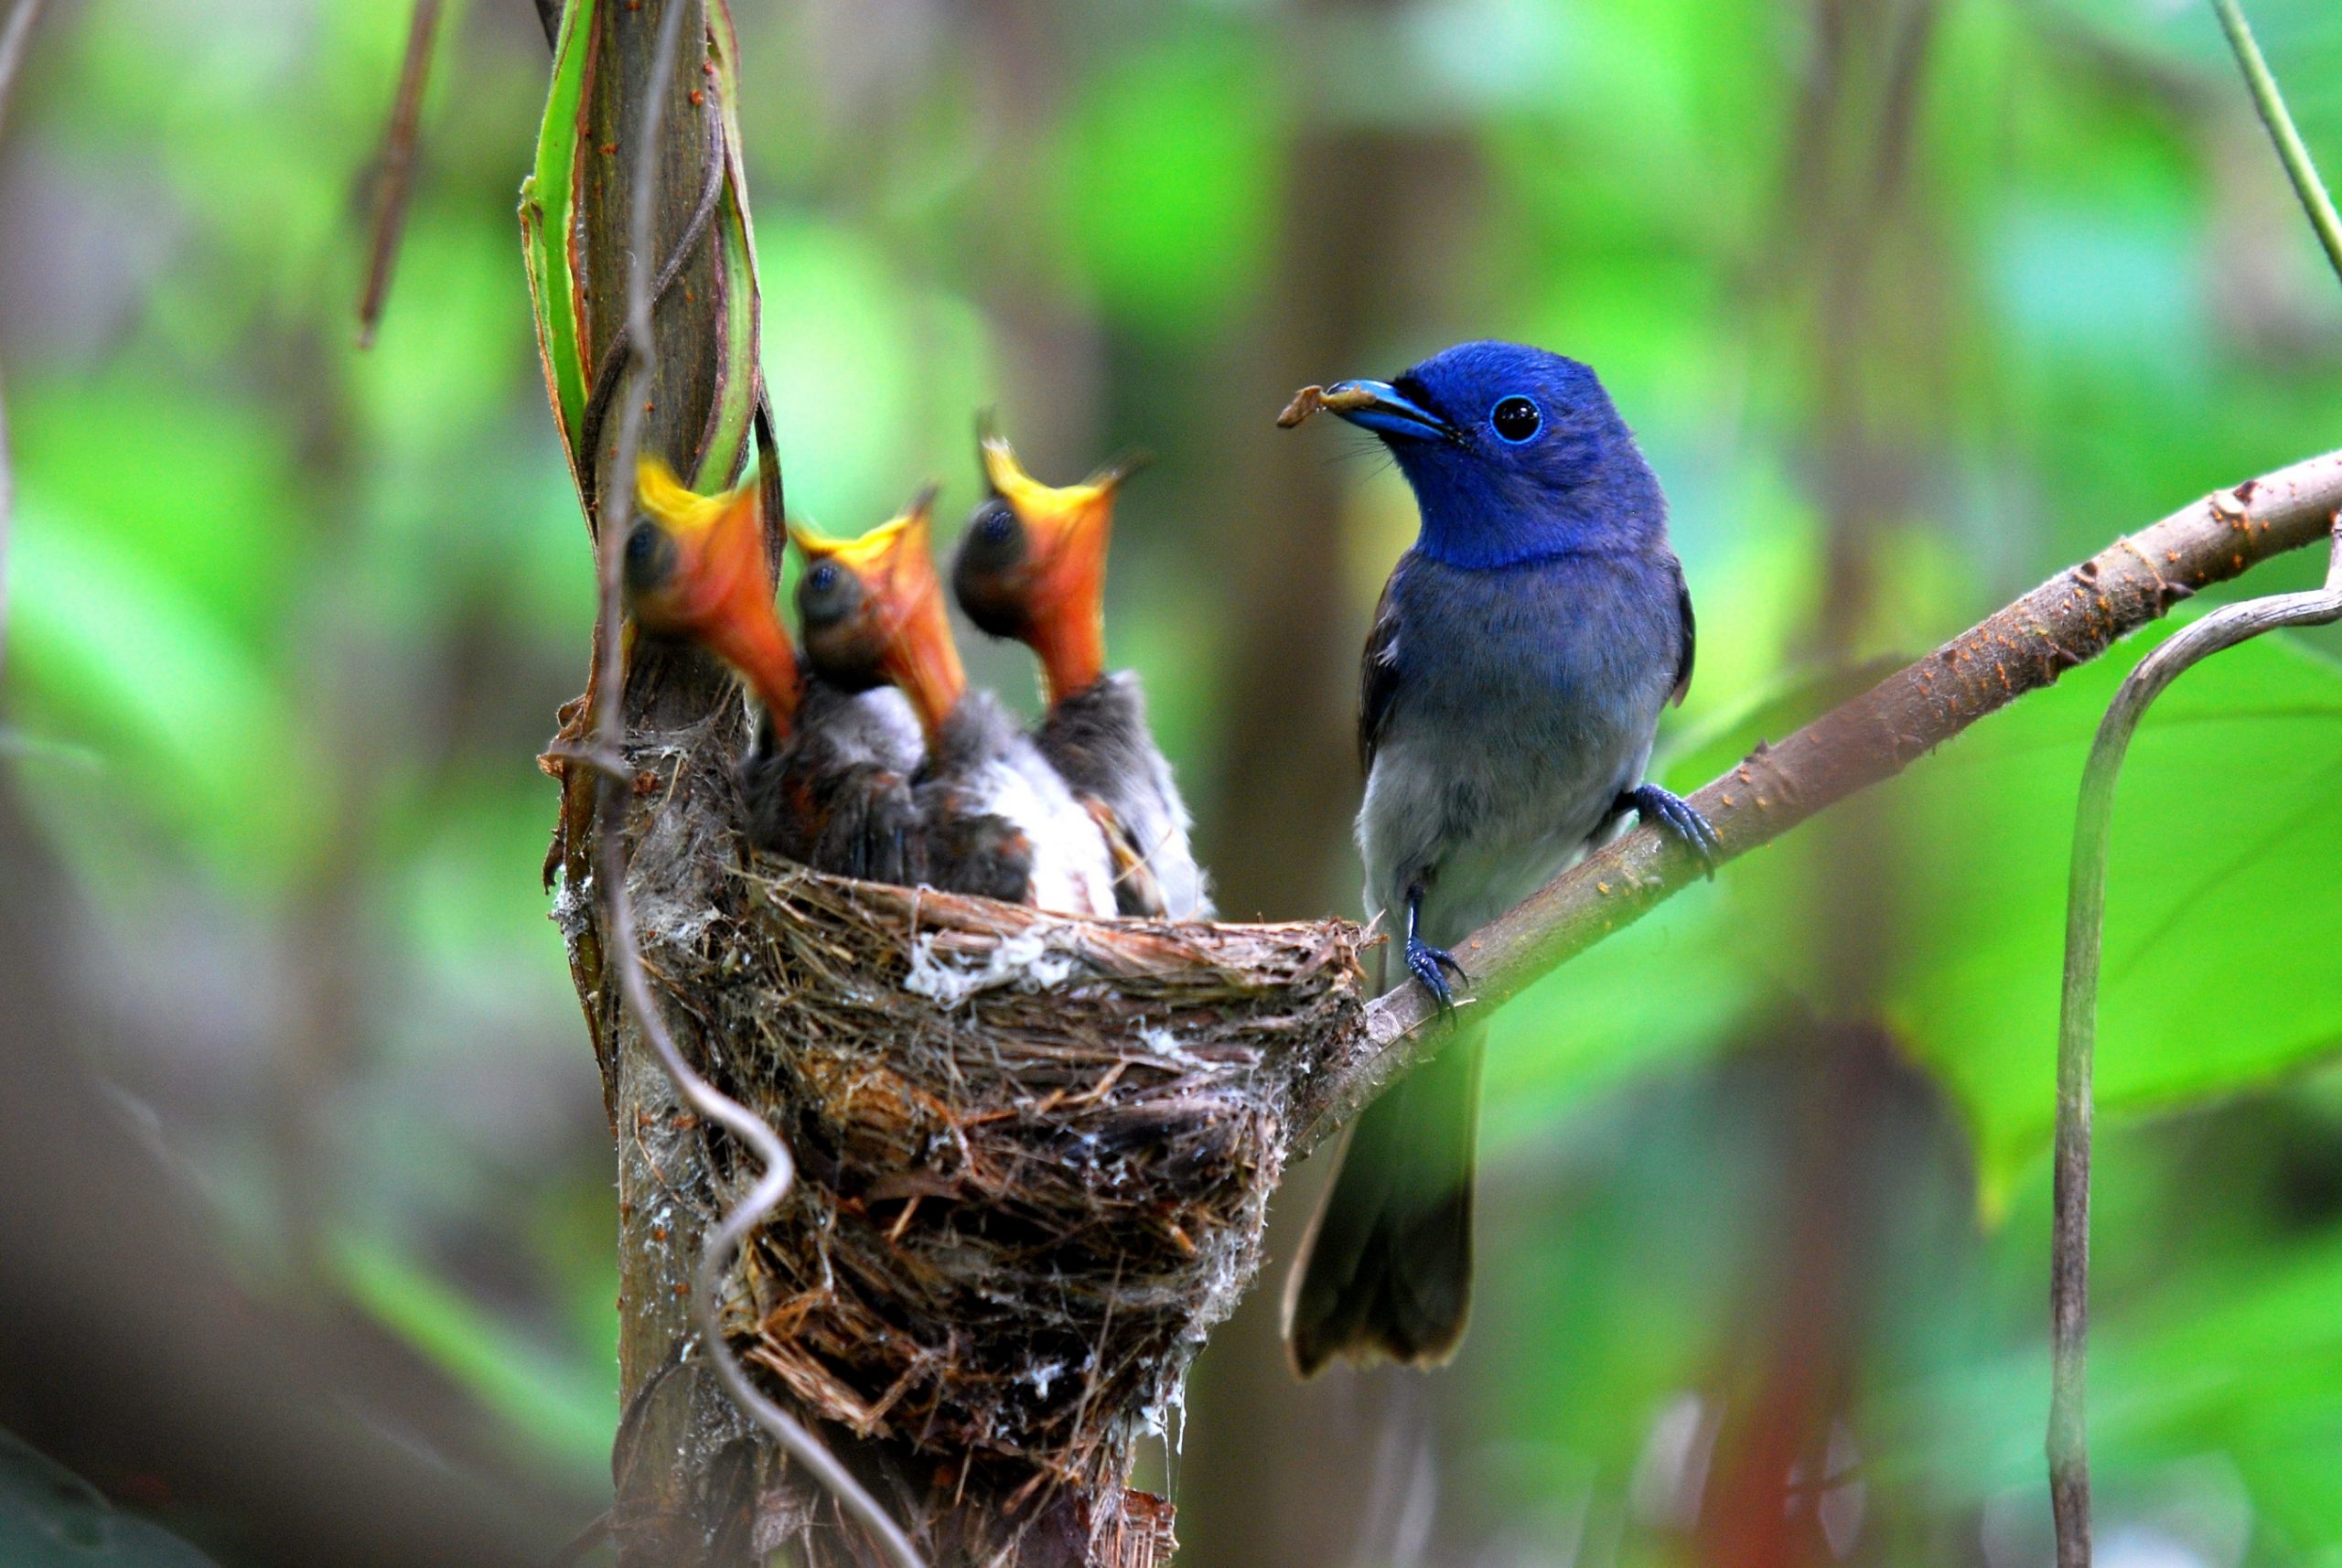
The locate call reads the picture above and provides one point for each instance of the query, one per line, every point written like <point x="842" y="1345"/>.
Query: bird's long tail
<point x="1385" y="1272"/>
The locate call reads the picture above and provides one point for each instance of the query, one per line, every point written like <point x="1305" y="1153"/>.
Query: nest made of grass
<point x="1035" y="1152"/>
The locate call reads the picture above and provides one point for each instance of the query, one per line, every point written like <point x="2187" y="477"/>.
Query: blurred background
<point x="1912" y="302"/>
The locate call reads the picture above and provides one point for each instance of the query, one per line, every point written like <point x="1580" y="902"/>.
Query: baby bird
<point x="827" y="779"/>
<point x="994" y="818"/>
<point x="1032" y="567"/>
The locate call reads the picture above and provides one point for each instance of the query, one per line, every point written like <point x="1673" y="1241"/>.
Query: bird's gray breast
<point x="1525" y="699"/>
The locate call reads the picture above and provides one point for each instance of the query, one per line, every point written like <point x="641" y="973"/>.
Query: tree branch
<point x="2070" y="620"/>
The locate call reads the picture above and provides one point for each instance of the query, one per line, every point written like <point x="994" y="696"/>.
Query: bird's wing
<point x="1379" y="673"/>
<point x="1690" y="634"/>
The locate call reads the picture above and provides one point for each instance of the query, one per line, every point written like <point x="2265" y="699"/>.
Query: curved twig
<point x="2068" y="1438"/>
<point x="762" y="1142"/>
<point x="2029" y="644"/>
<point x="2300" y="167"/>
<point x="2068" y="1443"/>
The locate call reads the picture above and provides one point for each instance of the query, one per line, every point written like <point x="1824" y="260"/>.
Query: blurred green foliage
<point x="289" y="621"/>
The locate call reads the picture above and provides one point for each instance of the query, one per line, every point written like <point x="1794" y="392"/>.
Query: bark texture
<point x="686" y="1466"/>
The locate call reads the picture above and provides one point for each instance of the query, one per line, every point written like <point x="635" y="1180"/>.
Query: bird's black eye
<point x="823" y="579"/>
<point x="1515" y="418"/>
<point x="995" y="524"/>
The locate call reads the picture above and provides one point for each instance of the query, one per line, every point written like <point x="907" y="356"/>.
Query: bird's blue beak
<point x="1382" y="408"/>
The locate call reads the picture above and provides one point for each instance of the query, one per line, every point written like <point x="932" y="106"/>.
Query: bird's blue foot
<point x="1427" y="964"/>
<point x="1432" y="966"/>
<point x="1679" y="817"/>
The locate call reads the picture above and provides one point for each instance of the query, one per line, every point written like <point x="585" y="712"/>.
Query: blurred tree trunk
<point x="1285" y="1473"/>
<point x="1848" y="221"/>
<point x="1275" y="1467"/>
<point x="135" y="1357"/>
<point x="1367" y="210"/>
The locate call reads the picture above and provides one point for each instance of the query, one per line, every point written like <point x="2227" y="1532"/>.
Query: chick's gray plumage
<point x="835" y="793"/>
<point x="1098" y="741"/>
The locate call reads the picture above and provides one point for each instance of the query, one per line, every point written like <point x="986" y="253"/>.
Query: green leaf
<point x="2223" y="843"/>
<point x="2235" y="1357"/>
<point x="736" y="383"/>
<point x="193" y="730"/>
<point x="548" y="212"/>
<point x="2221" y="905"/>
<point x="1171" y="211"/>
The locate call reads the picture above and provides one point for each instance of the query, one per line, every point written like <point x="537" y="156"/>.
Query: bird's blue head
<point x="1515" y="453"/>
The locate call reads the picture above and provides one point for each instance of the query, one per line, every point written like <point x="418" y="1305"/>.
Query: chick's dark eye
<point x="1515" y="418"/>
<point x="647" y="556"/>
<point x="995" y="524"/>
<point x="823" y="578"/>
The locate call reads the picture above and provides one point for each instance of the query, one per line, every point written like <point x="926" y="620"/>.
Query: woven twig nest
<point x="1035" y="1152"/>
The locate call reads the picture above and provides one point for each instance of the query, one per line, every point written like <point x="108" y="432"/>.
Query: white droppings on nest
<point x="1160" y="1042"/>
<point x="1043" y="1375"/>
<point x="573" y="905"/>
<point x="1026" y="962"/>
<point x="654" y="1238"/>
<point x="675" y="921"/>
<point x="1166" y="1415"/>
<point x="1223" y="1267"/>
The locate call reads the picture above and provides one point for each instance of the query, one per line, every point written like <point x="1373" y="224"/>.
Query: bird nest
<point x="1035" y="1152"/>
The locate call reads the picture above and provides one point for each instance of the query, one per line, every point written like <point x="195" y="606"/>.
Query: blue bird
<point x="1512" y="683"/>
